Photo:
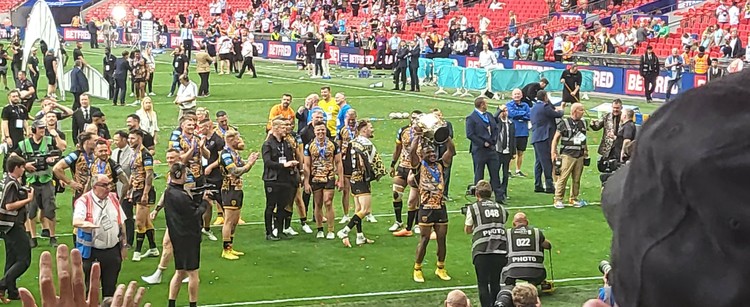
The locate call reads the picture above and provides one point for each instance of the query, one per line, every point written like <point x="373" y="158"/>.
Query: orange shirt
<point x="279" y="110"/>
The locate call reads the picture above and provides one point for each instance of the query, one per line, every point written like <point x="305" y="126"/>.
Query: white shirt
<point x="621" y="38"/>
<point x="721" y="14"/>
<point x="484" y="23"/>
<point x="186" y="33"/>
<point x="185" y="92"/>
<point x="149" y="123"/>
<point x="734" y="15"/>
<point x="462" y="23"/>
<point x="104" y="215"/>
<point x="496" y="6"/>
<point x="247" y="49"/>
<point x="225" y="45"/>
<point x="487" y="58"/>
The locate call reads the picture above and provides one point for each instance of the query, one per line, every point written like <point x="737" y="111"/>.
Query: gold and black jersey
<point x="322" y="157"/>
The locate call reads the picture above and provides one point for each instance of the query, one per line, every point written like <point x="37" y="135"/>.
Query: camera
<point x="471" y="190"/>
<point x="40" y="159"/>
<point x="605" y="267"/>
<point x="504" y="297"/>
<point x="199" y="191"/>
<point x="23" y="192"/>
<point x="608" y="165"/>
<point x="558" y="166"/>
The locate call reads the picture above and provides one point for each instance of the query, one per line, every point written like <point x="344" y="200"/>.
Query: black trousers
<point x="110" y="262"/>
<point x="543" y="165"/>
<point x="76" y="100"/>
<point x="248" y="63"/>
<point x="414" y="78"/>
<point x="111" y="81"/>
<point x="558" y="55"/>
<point x="318" y="67"/>
<point x="355" y="10"/>
<point x="94" y="42"/>
<point x="120" y="90"/>
<point x="399" y="76"/>
<point x="486" y="157"/>
<point x="649" y="85"/>
<point x="380" y="59"/>
<point x="670" y="84"/>
<point x="188" y="45"/>
<point x="17" y="258"/>
<point x="150" y="82"/>
<point x="488" y="268"/>
<point x="129" y="207"/>
<point x="278" y="196"/>
<point x="203" y="88"/>
<point x="504" y="174"/>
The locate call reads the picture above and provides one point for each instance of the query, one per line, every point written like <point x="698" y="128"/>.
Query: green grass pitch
<point x="305" y="271"/>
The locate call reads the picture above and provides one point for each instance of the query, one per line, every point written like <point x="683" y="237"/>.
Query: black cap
<point x="680" y="211"/>
<point x="97" y="114"/>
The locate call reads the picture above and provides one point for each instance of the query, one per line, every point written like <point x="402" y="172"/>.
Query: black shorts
<point x="521" y="143"/>
<point x="187" y="253"/>
<point x="232" y="199"/>
<point x="360" y="188"/>
<point x="238" y="57"/>
<point x="328" y="185"/>
<point x="310" y="59"/>
<point x="51" y="78"/>
<point x="215" y="196"/>
<point x="137" y="194"/>
<point x="403" y="172"/>
<point x="3" y="70"/>
<point x="429" y="217"/>
<point x="225" y="57"/>
<point x="44" y="201"/>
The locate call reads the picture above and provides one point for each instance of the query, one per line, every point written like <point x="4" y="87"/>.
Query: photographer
<point x="573" y="154"/>
<point x="12" y="218"/>
<point x="42" y="152"/>
<point x="184" y="216"/>
<point x="485" y="221"/>
<point x="525" y="253"/>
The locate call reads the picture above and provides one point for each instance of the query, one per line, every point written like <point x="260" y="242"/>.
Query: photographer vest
<point x="40" y="176"/>
<point x="8" y="218"/>
<point x="524" y="250"/>
<point x="489" y="231"/>
<point x="574" y="137"/>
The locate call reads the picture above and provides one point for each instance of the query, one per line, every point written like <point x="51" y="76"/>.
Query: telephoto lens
<point x="605" y="267"/>
<point x="504" y="297"/>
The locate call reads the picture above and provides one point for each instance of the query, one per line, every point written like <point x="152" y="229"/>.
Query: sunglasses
<point x="102" y="185"/>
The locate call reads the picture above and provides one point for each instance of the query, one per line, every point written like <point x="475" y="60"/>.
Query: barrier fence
<point x="459" y="70"/>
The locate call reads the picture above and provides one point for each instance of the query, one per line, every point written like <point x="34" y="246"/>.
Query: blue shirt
<point x="675" y="71"/>
<point x="341" y="120"/>
<point x="520" y="114"/>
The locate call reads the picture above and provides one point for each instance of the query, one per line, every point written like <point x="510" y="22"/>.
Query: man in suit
<point x="414" y="53"/>
<point x="505" y="147"/>
<point x="122" y="154"/>
<point x="543" y="128"/>
<point x="82" y="115"/>
<point x="481" y="130"/>
<point x="79" y="84"/>
<point x="93" y="29"/>
<point x="109" y="70"/>
<point x="399" y="74"/>
<point x="649" y="72"/>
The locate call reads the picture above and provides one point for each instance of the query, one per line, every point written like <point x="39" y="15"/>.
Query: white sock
<point x="347" y="229"/>
<point x="360" y="236"/>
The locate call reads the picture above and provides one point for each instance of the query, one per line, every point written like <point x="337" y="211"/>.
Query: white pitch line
<point x="379" y="215"/>
<point x="384" y="293"/>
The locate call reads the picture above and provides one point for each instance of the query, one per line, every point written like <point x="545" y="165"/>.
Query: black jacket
<point x="649" y="65"/>
<point x="401" y="56"/>
<point x="109" y="64"/>
<point x="529" y="93"/>
<point x="501" y="139"/>
<point x="273" y="171"/>
<point x="414" y="57"/>
<point x="183" y="213"/>
<point x="79" y="122"/>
